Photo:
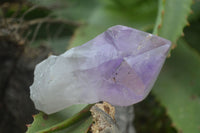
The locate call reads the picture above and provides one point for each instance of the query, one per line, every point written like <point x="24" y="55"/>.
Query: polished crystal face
<point x="119" y="66"/>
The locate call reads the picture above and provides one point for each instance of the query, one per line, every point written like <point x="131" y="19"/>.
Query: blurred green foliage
<point x="152" y="117"/>
<point x="192" y="32"/>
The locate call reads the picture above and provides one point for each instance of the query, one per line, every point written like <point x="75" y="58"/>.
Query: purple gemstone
<point x="119" y="66"/>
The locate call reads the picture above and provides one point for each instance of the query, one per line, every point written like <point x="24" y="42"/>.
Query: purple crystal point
<point x="119" y="66"/>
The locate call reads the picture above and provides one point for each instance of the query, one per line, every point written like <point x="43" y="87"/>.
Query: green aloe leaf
<point x="178" y="88"/>
<point x="172" y="18"/>
<point x="43" y="122"/>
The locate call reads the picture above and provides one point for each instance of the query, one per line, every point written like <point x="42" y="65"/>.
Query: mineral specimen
<point x="119" y="66"/>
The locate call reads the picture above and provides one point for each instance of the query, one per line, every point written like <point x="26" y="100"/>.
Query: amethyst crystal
<point x="119" y="66"/>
